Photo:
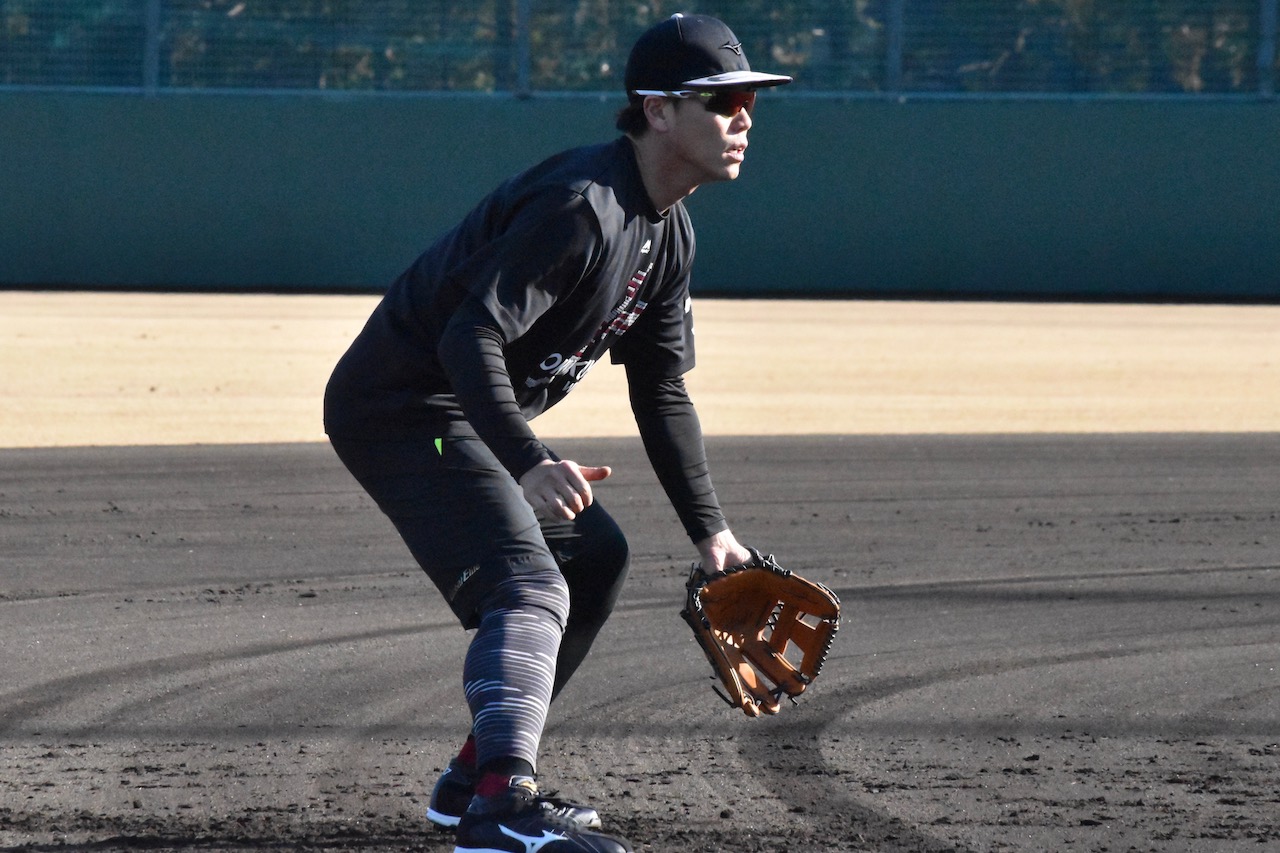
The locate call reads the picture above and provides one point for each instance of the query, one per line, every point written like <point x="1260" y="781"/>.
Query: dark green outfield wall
<point x="1113" y="198"/>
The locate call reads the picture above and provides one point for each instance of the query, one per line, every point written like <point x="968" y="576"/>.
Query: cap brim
<point x="751" y="79"/>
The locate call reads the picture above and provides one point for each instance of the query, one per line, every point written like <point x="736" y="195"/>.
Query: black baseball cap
<point x="692" y="52"/>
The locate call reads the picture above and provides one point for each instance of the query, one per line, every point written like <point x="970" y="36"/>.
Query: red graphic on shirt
<point x="624" y="316"/>
<point x="571" y="370"/>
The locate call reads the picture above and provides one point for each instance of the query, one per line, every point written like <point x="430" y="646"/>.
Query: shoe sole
<point x="532" y="845"/>
<point x="442" y="820"/>
<point x="494" y="849"/>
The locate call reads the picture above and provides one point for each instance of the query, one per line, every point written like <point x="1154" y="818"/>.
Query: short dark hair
<point x="631" y="118"/>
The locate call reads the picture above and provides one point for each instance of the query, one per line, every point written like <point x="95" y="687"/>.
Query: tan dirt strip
<point x="188" y="368"/>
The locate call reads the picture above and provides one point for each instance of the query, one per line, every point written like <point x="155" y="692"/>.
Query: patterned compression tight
<point x="511" y="665"/>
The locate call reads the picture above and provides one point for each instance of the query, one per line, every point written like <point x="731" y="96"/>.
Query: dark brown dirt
<point x="1049" y="643"/>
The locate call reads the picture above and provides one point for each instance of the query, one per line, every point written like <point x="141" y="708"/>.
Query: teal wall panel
<point x="1099" y="198"/>
<point x="1054" y="198"/>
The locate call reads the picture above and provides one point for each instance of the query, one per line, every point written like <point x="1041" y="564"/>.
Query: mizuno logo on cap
<point x="735" y="46"/>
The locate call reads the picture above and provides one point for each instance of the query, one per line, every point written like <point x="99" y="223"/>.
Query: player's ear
<point x="657" y="110"/>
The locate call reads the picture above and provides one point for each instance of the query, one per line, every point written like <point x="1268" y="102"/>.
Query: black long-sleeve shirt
<point x="505" y="313"/>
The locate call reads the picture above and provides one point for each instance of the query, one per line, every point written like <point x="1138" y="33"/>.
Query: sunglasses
<point x="725" y="103"/>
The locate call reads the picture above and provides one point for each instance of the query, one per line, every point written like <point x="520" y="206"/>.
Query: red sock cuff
<point x="492" y="784"/>
<point x="467" y="755"/>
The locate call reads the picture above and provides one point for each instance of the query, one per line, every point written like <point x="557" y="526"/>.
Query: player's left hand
<point x="721" y="550"/>
<point x="561" y="489"/>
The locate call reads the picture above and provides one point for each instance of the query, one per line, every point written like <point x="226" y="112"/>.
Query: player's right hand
<point x="560" y="489"/>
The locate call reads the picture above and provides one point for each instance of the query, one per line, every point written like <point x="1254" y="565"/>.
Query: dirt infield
<point x="113" y="369"/>
<point x="1048" y="644"/>
<point x="1054" y="529"/>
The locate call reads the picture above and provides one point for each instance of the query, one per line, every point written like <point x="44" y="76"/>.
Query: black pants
<point x="467" y="524"/>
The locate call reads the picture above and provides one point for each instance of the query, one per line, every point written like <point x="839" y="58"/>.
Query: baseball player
<point x="586" y="253"/>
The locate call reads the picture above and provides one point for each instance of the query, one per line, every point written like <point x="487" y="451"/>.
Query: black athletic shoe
<point x="451" y="796"/>
<point x="519" y="821"/>
<point x="457" y="785"/>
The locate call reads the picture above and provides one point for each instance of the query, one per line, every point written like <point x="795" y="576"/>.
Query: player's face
<point x="712" y="145"/>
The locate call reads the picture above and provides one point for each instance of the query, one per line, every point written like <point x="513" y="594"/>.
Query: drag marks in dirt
<point x="232" y="745"/>
<point x="166" y="664"/>
<point x="1049" y="643"/>
<point x="1082" y="709"/>
<point x="1038" y="742"/>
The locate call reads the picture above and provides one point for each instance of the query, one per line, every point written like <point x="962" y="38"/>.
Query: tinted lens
<point x="727" y="104"/>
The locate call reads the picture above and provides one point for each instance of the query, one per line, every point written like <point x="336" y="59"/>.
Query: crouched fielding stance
<point x="586" y="253"/>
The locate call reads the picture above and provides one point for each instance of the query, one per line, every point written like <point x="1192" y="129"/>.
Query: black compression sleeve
<point x="672" y="436"/>
<point x="472" y="358"/>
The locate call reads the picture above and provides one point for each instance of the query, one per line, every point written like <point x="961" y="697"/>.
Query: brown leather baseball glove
<point x="765" y="630"/>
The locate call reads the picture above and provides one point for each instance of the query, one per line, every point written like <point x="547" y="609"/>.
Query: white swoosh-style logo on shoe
<point x="531" y="844"/>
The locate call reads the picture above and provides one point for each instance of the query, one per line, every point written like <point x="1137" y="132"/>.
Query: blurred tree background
<point x="868" y="46"/>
